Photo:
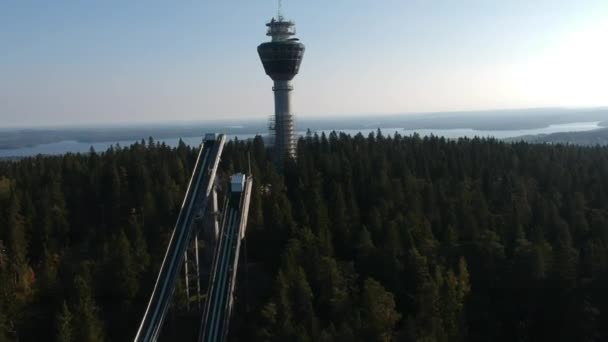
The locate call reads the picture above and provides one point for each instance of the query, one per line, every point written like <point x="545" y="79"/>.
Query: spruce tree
<point x="88" y="325"/>
<point x="65" y="329"/>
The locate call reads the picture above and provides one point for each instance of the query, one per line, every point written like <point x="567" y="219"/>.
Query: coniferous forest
<point x="378" y="238"/>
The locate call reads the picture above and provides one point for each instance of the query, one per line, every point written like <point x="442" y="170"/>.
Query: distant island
<point x="589" y="138"/>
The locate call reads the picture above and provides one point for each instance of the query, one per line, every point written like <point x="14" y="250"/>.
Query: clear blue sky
<point x="78" y="62"/>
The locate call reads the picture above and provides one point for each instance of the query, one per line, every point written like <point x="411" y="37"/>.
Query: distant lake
<point x="82" y="147"/>
<point x="502" y="134"/>
<point x="453" y="133"/>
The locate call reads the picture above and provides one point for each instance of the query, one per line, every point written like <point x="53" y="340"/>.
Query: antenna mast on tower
<point x="280" y="11"/>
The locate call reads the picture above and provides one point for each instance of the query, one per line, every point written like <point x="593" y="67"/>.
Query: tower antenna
<point x="280" y="11"/>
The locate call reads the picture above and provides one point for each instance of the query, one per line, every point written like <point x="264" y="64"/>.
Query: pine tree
<point x="138" y="245"/>
<point x="454" y="293"/>
<point x="121" y="275"/>
<point x="378" y="312"/>
<point x="566" y="257"/>
<point x="17" y="249"/>
<point x="64" y="325"/>
<point x="427" y="300"/>
<point x="88" y="325"/>
<point x="6" y="295"/>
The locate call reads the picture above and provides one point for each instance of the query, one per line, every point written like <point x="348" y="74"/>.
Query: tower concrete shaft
<point x="284" y="137"/>
<point x="281" y="58"/>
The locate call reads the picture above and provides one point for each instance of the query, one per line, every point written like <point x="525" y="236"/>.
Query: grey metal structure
<point x="192" y="273"/>
<point x="223" y="241"/>
<point x="218" y="306"/>
<point x="197" y="261"/>
<point x="196" y="200"/>
<point x="281" y="58"/>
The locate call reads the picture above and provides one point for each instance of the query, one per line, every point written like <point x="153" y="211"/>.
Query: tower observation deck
<point x="281" y="58"/>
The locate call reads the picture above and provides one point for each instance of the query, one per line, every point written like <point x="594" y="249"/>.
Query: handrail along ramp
<point x="218" y="306"/>
<point x="195" y="202"/>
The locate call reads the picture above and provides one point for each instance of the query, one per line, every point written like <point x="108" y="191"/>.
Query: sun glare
<point x="573" y="72"/>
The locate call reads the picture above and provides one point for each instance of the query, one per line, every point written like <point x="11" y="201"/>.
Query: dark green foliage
<point x="378" y="312"/>
<point x="378" y="238"/>
<point x="81" y="237"/>
<point x="65" y="325"/>
<point x="87" y="323"/>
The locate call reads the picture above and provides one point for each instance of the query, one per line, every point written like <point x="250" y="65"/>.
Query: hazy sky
<point x="111" y="61"/>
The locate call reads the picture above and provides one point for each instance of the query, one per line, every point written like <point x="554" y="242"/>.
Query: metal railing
<point x="195" y="200"/>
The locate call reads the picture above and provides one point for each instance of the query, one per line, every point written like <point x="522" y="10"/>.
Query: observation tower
<point x="281" y="58"/>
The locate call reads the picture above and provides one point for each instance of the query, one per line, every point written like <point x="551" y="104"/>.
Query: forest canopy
<point x="377" y="238"/>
